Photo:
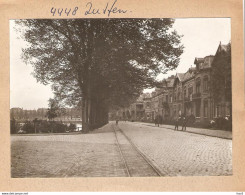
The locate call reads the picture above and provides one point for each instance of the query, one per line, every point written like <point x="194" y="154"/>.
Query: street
<point x="98" y="154"/>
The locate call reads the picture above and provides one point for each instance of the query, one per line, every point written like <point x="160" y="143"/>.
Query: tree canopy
<point x="53" y="109"/>
<point x="221" y="75"/>
<point x="102" y="63"/>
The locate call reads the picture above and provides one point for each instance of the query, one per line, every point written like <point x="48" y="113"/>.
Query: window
<point x="166" y="98"/>
<point x="190" y="91"/>
<point x="160" y="101"/>
<point x="198" y="108"/>
<point x="205" y="83"/>
<point x="217" y="113"/>
<point x="205" y="108"/>
<point x="147" y="104"/>
<point x="228" y="110"/>
<point x="198" y="86"/>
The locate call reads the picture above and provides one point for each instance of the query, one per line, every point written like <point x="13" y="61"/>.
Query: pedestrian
<point x="176" y="123"/>
<point x="117" y="122"/>
<point x="184" y="123"/>
<point x="158" y="120"/>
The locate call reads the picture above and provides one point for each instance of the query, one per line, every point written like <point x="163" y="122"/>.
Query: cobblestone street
<point x="179" y="153"/>
<point x="96" y="154"/>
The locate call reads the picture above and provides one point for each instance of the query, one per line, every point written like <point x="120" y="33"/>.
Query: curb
<point x="189" y="132"/>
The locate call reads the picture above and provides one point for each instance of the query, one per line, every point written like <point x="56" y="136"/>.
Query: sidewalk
<point x="209" y="132"/>
<point x="67" y="155"/>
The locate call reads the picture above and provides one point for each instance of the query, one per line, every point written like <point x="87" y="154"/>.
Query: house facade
<point x="189" y="93"/>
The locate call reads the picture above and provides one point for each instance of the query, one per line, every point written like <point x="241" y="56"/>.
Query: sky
<point x="201" y="37"/>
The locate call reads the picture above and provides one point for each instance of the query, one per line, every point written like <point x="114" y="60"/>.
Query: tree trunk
<point x="85" y="125"/>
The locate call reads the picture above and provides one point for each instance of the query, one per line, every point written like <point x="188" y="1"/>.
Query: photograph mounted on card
<point x="122" y="84"/>
<point x="96" y="92"/>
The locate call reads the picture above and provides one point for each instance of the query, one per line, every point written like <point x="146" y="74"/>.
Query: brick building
<point x="187" y="93"/>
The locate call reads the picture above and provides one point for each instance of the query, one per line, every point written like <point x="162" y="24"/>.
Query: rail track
<point x="135" y="163"/>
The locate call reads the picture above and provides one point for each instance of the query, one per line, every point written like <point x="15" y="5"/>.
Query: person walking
<point x="158" y="120"/>
<point x="176" y="123"/>
<point x="184" y="123"/>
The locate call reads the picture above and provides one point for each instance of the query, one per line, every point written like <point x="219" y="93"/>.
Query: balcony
<point x="188" y="99"/>
<point x="179" y="100"/>
<point x="140" y="109"/>
<point x="196" y="96"/>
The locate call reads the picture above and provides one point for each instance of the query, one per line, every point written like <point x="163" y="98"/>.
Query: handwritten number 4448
<point x="65" y="11"/>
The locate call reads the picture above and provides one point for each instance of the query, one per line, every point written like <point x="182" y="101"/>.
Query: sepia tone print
<point x="120" y="97"/>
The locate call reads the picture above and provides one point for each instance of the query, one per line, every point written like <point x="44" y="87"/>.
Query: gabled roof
<point x="198" y="60"/>
<point x="223" y="47"/>
<point x="189" y="74"/>
<point x="192" y="69"/>
<point x="168" y="82"/>
<point x="204" y="63"/>
<point x="185" y="76"/>
<point x="180" y="76"/>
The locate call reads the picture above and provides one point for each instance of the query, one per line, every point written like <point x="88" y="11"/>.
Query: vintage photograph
<point x="123" y="97"/>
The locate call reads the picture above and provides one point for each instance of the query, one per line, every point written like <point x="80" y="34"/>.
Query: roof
<point x="171" y="82"/>
<point x="223" y="47"/>
<point x="180" y="76"/>
<point x="185" y="76"/>
<point x="198" y="60"/>
<point x="192" y="68"/>
<point x="189" y="74"/>
<point x="146" y="95"/>
<point x="203" y="63"/>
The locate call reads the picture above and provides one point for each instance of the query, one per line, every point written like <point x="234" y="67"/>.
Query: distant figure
<point x="177" y="120"/>
<point x="117" y="122"/>
<point x="184" y="122"/>
<point x="157" y="120"/>
<point x="191" y="119"/>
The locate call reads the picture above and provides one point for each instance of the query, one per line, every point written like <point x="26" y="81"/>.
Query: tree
<point x="53" y="109"/>
<point x="12" y="115"/>
<point x="21" y="114"/>
<point x="25" y="113"/>
<point x="221" y="75"/>
<point x="103" y="63"/>
<point x="166" y="108"/>
<point x="35" y="122"/>
<point x="13" y="125"/>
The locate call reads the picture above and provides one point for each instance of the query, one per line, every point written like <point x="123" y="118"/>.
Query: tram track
<point x="135" y="162"/>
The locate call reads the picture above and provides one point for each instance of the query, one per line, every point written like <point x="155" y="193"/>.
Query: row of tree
<point x="100" y="64"/>
<point x="40" y="126"/>
<point x="27" y="114"/>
